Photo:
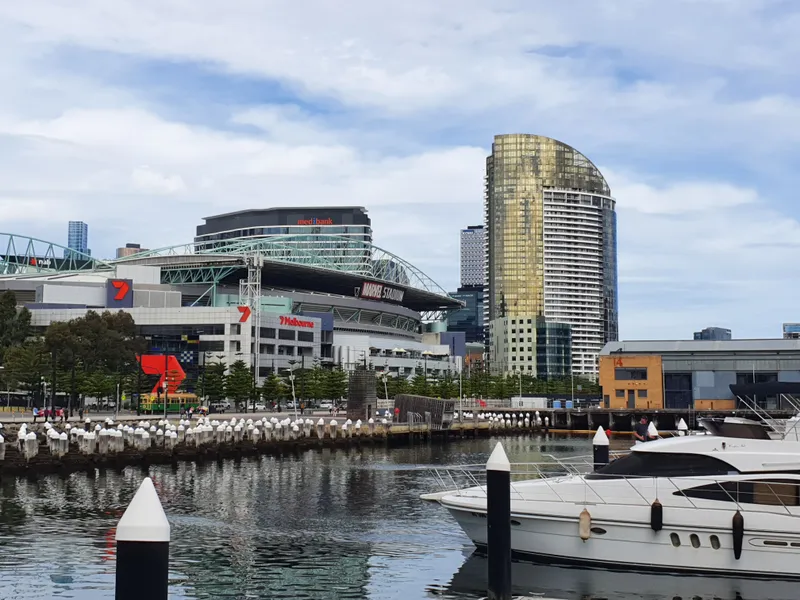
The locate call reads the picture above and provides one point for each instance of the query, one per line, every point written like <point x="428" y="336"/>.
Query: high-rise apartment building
<point x="77" y="238"/>
<point x="713" y="334"/>
<point x="473" y="261"/>
<point x="551" y="252"/>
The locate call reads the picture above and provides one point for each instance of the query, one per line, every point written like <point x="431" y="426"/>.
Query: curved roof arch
<point x="322" y="251"/>
<point x="21" y="255"/>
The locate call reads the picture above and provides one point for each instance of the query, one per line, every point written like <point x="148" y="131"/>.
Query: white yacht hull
<point x="633" y="544"/>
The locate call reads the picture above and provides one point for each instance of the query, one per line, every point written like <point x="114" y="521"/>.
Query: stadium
<point x="299" y="299"/>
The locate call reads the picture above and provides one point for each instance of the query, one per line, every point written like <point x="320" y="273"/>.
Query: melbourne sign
<point x="315" y="221"/>
<point x="378" y="291"/>
<point x="295" y="322"/>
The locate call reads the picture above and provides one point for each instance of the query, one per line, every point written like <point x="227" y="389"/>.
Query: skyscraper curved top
<point x="550" y="251"/>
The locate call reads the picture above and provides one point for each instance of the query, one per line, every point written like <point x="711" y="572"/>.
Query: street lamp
<point x="291" y="379"/>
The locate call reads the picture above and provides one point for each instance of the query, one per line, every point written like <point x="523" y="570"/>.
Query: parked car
<point x="219" y="407"/>
<point x="261" y="407"/>
<point x="326" y="405"/>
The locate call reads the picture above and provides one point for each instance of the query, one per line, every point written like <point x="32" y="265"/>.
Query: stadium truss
<point x="202" y="263"/>
<point x="25" y="255"/>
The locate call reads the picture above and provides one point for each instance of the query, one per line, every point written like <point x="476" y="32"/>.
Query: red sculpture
<point x="154" y="364"/>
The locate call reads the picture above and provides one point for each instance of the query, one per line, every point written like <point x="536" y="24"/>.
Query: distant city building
<point x="336" y="233"/>
<point x="791" y="331"/>
<point x="130" y="250"/>
<point x="473" y="260"/>
<point x="551" y="251"/>
<point x="470" y="318"/>
<point x="77" y="238"/>
<point x="533" y="346"/>
<point x="713" y="334"/>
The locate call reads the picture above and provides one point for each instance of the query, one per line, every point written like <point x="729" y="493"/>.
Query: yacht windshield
<point x="663" y="464"/>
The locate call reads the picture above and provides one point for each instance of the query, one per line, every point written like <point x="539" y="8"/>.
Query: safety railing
<point x="752" y="495"/>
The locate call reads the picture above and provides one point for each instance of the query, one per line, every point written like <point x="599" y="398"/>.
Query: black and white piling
<point x="498" y="523"/>
<point x="600" y="449"/>
<point x="143" y="548"/>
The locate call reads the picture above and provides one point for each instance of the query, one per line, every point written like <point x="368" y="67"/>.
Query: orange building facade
<point x="634" y="382"/>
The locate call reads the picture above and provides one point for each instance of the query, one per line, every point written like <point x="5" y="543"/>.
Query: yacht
<point x="699" y="503"/>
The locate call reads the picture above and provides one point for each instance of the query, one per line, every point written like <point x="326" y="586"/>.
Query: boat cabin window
<point x="663" y="464"/>
<point x="770" y="492"/>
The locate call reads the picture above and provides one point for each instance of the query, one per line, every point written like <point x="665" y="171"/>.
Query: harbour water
<point x="324" y="525"/>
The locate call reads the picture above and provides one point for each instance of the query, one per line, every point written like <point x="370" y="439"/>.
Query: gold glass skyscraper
<point x="550" y="252"/>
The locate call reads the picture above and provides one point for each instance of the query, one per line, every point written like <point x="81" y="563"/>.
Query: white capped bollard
<point x="295" y="432"/>
<point x="2" y="447"/>
<point x="63" y="439"/>
<point x="346" y="433"/>
<point x="600" y="448"/>
<point x="269" y="431"/>
<point x="357" y="429"/>
<point x="146" y="440"/>
<point x="307" y="425"/>
<point x="371" y="424"/>
<point x="256" y="435"/>
<point x="498" y="523"/>
<point x="102" y="446"/>
<point x="683" y="428"/>
<point x="143" y="536"/>
<point x="333" y="425"/>
<point x="320" y="429"/>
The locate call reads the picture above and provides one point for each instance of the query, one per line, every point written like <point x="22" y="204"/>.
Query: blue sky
<point x="141" y="117"/>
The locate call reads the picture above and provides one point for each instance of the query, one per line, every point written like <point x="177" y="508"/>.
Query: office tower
<point x="337" y="233"/>
<point x="130" y="250"/>
<point x="473" y="272"/>
<point x="551" y="252"/>
<point x="470" y="318"/>
<point x="77" y="238"/>
<point x="714" y="334"/>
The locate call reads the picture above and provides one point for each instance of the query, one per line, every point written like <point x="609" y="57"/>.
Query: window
<point x="695" y="540"/>
<point x="305" y="336"/>
<point x="663" y="464"/>
<point x="622" y="374"/>
<point x="768" y="492"/>
<point x="714" y="542"/>
<point x="620" y="393"/>
<point x="268" y="332"/>
<point x="286" y="334"/>
<point x="236" y="329"/>
<point x="642" y="393"/>
<point x="236" y="346"/>
<point x="212" y="346"/>
<point x="675" y="539"/>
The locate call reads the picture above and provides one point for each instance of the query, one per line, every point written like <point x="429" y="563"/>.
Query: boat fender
<point x="585" y="525"/>
<point x="738" y="534"/>
<point x="656" y="516"/>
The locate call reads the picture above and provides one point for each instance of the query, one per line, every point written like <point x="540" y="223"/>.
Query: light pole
<point x="116" y="411"/>
<point x="460" y="390"/>
<point x="294" y="398"/>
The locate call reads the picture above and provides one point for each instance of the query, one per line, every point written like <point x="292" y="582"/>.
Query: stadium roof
<point x="288" y="262"/>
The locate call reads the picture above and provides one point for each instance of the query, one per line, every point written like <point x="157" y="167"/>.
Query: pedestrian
<point x="640" y="433"/>
<point x="302" y="407"/>
<point x="35" y="414"/>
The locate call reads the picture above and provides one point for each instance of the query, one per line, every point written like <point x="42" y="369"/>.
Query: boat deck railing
<point x="776" y="497"/>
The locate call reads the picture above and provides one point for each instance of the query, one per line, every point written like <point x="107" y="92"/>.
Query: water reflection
<point x="569" y="583"/>
<point x="319" y="525"/>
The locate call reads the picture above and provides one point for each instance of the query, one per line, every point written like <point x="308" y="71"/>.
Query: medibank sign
<point x="295" y="322"/>
<point x="315" y="221"/>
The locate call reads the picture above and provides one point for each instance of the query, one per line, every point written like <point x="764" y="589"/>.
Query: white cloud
<point x="695" y="125"/>
<point x="145" y="179"/>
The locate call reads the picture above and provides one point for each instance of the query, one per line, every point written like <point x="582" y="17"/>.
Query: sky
<point x="141" y="117"/>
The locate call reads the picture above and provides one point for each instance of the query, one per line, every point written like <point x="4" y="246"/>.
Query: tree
<point x="271" y="389"/>
<point x="14" y="324"/>
<point x="214" y="381"/>
<point x="419" y="385"/>
<point x="239" y="386"/>
<point x="335" y="384"/>
<point x="25" y="366"/>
